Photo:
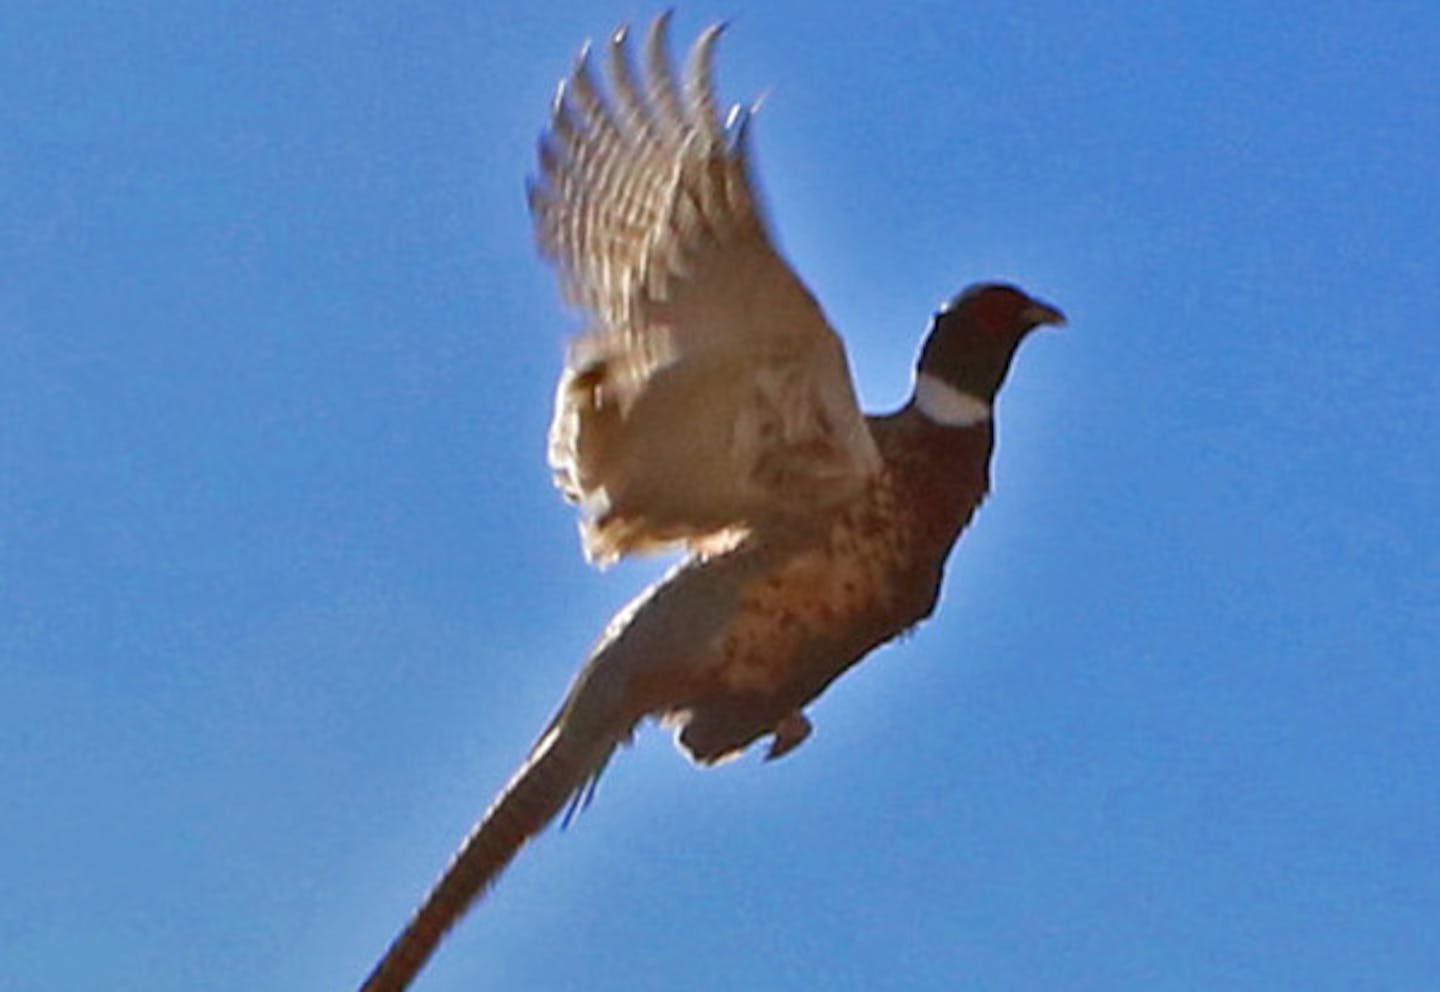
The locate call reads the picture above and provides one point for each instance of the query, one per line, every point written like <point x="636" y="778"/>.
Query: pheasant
<point x="709" y="405"/>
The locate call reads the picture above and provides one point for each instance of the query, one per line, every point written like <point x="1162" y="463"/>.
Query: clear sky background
<point x="285" y="593"/>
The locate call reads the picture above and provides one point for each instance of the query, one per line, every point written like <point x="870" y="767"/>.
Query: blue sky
<point x="285" y="593"/>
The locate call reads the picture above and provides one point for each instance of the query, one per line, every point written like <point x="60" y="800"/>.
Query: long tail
<point x="563" y="764"/>
<point x="645" y="663"/>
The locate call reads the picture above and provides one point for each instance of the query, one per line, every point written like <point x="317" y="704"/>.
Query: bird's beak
<point x="1038" y="313"/>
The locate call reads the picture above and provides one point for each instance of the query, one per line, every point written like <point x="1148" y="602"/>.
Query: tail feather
<point x="562" y="765"/>
<point x="649" y="661"/>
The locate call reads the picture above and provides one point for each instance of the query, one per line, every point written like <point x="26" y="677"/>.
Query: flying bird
<point x="708" y="405"/>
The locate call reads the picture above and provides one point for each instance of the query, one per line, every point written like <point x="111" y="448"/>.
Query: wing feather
<point x="708" y="392"/>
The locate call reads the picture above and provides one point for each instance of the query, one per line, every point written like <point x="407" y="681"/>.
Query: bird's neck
<point x="973" y="364"/>
<point x="941" y="474"/>
<point x="948" y="405"/>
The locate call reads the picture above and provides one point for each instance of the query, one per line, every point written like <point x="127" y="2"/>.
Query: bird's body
<point x="820" y="606"/>
<point x="711" y="405"/>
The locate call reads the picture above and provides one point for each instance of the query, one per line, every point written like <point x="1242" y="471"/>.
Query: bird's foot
<point x="792" y="729"/>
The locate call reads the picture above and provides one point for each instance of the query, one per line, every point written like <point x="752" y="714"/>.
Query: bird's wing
<point x="708" y="391"/>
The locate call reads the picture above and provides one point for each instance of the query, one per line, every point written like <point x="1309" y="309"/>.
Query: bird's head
<point x="973" y="340"/>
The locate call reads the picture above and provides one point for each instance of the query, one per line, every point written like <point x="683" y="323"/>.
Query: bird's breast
<point x="851" y="578"/>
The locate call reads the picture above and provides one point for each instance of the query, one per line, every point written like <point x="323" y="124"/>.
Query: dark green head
<point x="973" y="339"/>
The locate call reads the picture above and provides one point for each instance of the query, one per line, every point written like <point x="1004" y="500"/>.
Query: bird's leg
<point x="792" y="729"/>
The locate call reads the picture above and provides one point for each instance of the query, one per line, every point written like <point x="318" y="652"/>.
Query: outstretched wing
<point x="709" y="392"/>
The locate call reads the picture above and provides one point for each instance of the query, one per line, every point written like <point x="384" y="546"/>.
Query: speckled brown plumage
<point x="875" y="574"/>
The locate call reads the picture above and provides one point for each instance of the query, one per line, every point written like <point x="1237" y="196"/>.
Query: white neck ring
<point x="947" y="406"/>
